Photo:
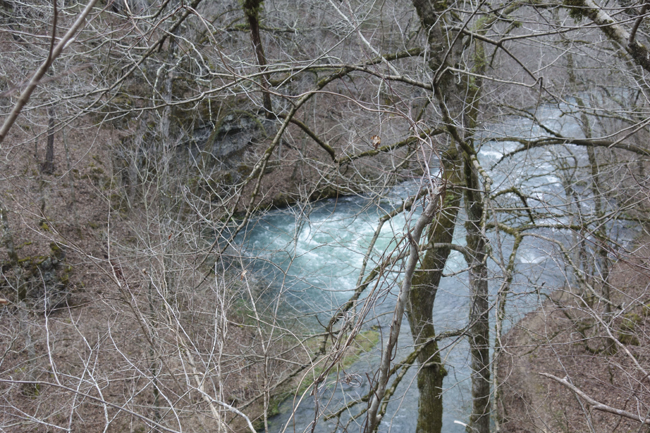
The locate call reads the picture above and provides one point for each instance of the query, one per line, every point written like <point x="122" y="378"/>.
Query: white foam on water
<point x="528" y="258"/>
<point x="331" y="244"/>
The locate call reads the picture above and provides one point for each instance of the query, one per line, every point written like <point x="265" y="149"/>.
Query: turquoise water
<point x="313" y="254"/>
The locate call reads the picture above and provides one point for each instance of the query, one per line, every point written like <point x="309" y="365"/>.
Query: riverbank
<point x="566" y="337"/>
<point x="300" y="368"/>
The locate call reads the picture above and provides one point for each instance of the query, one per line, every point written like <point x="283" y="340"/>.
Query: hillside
<point x="566" y="339"/>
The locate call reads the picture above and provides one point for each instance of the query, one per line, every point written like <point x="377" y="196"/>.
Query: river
<point x="313" y="253"/>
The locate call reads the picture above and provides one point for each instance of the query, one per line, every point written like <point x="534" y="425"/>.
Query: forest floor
<point x="109" y="253"/>
<point x="80" y="260"/>
<point x="565" y="338"/>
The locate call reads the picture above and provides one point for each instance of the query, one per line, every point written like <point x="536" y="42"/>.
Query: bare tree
<point x="515" y="125"/>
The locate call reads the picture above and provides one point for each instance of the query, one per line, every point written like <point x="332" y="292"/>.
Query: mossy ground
<point x="362" y="343"/>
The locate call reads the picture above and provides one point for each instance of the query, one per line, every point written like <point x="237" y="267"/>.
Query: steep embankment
<point x="566" y="337"/>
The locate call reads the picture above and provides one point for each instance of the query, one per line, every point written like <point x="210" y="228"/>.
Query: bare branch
<point x="595" y="404"/>
<point x="54" y="53"/>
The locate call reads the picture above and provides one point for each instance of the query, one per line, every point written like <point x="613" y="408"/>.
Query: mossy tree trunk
<point x="479" y="314"/>
<point x="427" y="278"/>
<point x="477" y="243"/>
<point x="459" y="100"/>
<point x="422" y="297"/>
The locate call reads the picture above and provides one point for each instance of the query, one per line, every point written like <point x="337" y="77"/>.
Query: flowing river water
<point x="313" y="254"/>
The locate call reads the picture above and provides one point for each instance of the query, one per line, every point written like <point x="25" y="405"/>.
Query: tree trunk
<point x="48" y="165"/>
<point x="414" y="236"/>
<point x="479" y="313"/>
<point x="421" y="300"/>
<point x="252" y="9"/>
<point x="434" y="19"/>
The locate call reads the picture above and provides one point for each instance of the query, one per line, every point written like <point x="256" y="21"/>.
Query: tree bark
<point x="444" y="51"/>
<point x="422" y="297"/>
<point x="33" y="82"/>
<point x="479" y="329"/>
<point x="252" y="9"/>
<point x="414" y="236"/>
<point x="612" y="29"/>
<point x="461" y="118"/>
<point x="48" y="164"/>
<point x="479" y="313"/>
